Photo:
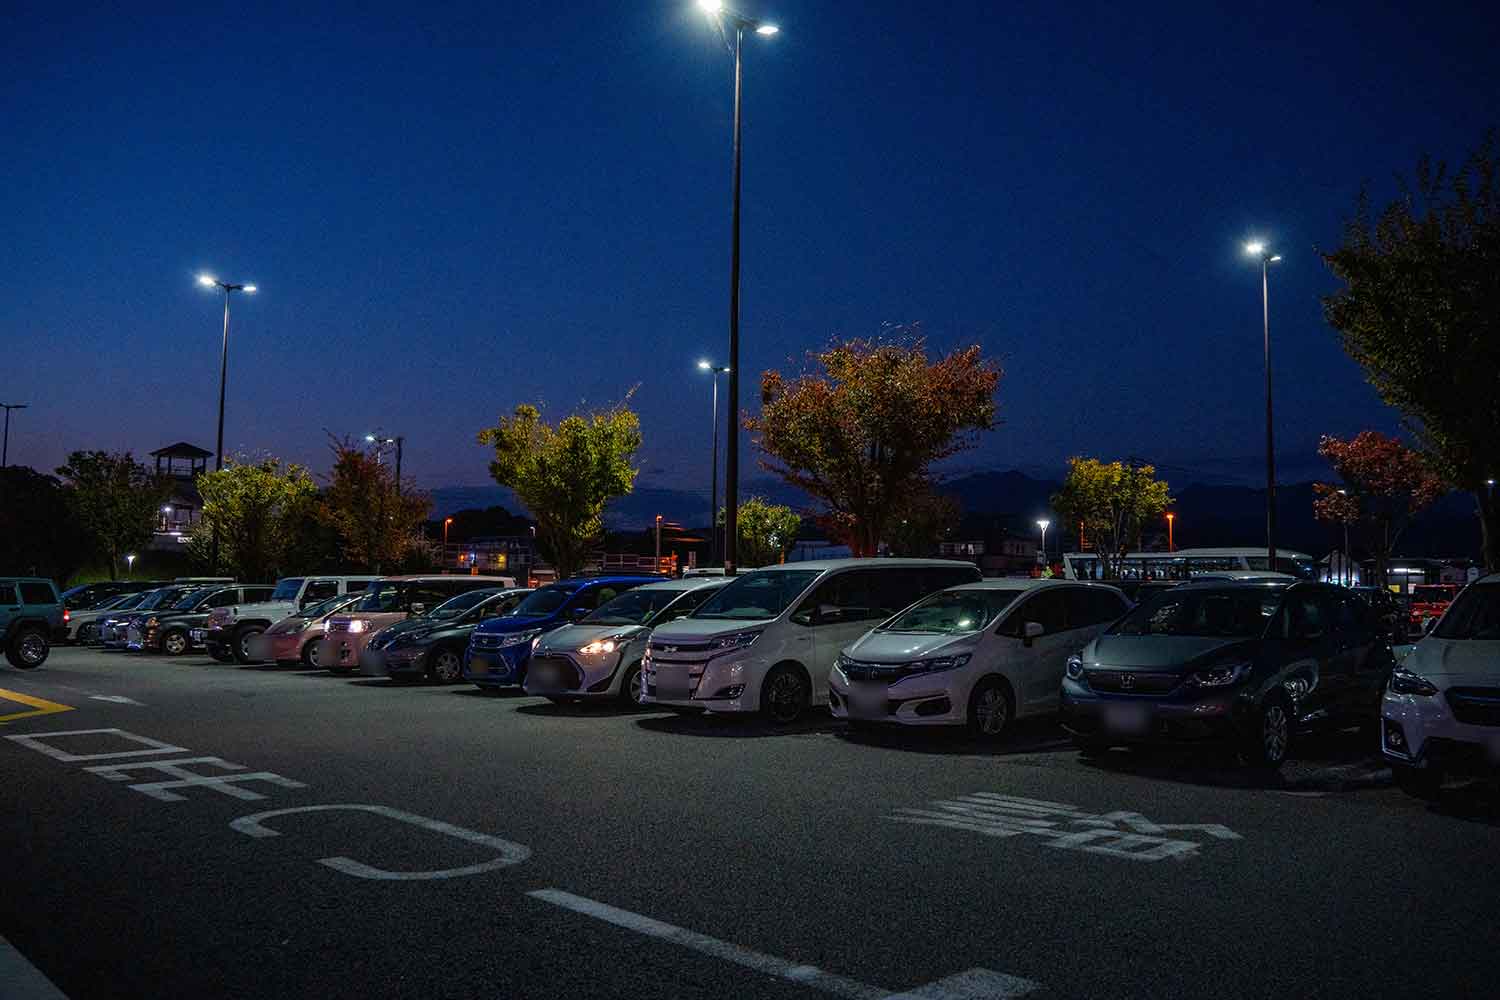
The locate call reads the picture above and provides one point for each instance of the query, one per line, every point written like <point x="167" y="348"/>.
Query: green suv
<point x="30" y="614"/>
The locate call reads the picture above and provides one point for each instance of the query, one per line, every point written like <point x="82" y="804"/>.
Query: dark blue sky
<point x="453" y="208"/>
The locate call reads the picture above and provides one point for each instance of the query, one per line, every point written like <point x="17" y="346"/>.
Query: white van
<point x="766" y="642"/>
<point x="979" y="655"/>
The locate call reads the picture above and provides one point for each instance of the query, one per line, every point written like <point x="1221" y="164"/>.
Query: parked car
<point x="173" y="630"/>
<point x="980" y="655"/>
<point x="432" y="644"/>
<point x="233" y="632"/>
<point x="1440" y="714"/>
<point x="94" y="595"/>
<point x="767" y="641"/>
<point x="500" y="649"/>
<point x="83" y="626"/>
<point x="31" y="613"/>
<point x="1246" y="664"/>
<point x="1428" y="602"/>
<point x="1141" y="591"/>
<point x="600" y="657"/>
<point x="295" y="638"/>
<point x="386" y="602"/>
<point x="113" y="625"/>
<point x="1387" y="608"/>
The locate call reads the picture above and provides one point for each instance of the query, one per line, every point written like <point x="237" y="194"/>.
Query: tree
<point x="862" y="434"/>
<point x="378" y="524"/>
<point x="116" y="500"/>
<point x="258" y="510"/>
<point x="1385" y="484"/>
<point x="1113" y="500"/>
<point x="1420" y="312"/>
<point x="921" y="522"/>
<point x="767" y="531"/>
<point x="39" y="530"/>
<point x="565" y="474"/>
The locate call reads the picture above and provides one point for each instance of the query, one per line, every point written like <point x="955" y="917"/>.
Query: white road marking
<point x="227" y="784"/>
<point x="20" y="980"/>
<point x="118" y="699"/>
<point x="510" y="853"/>
<point x="975" y="984"/>
<point x="34" y="741"/>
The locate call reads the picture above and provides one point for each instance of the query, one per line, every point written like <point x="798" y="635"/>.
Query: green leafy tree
<point x="378" y="524"/>
<point x="1419" y="311"/>
<point x="767" y="531"/>
<point x="257" y="510"/>
<point x="860" y="434"/>
<point x="116" y="501"/>
<point x="566" y="473"/>
<point x="1113" y="501"/>
<point x="923" y="520"/>
<point x="39" y="534"/>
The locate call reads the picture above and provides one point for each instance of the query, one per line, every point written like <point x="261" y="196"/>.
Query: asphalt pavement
<point x="193" y="829"/>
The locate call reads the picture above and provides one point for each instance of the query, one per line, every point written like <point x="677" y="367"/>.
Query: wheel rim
<point x="245" y="643"/>
<point x="310" y="653"/>
<point x="174" y="643"/>
<point x="1273" y="733"/>
<point x="445" y="666"/>
<point x="991" y="711"/>
<point x="785" y="696"/>
<point x="32" y="649"/>
<point x="634" y="686"/>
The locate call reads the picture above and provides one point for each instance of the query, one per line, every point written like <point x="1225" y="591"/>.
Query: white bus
<point x="1185" y="564"/>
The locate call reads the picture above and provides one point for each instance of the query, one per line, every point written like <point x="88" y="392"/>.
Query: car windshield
<point x="383" y="595"/>
<point x="122" y="602"/>
<point x="950" y="611"/>
<point x="455" y="606"/>
<point x="1475" y="615"/>
<point x="189" y="600"/>
<point x="757" y="595"/>
<point x="288" y="589"/>
<point x="336" y="603"/>
<point x="634" y="607"/>
<point x="1431" y="595"/>
<point x="1230" y="614"/>
<point x="544" y="601"/>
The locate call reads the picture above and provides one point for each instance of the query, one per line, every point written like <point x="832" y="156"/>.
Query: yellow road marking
<point x="39" y="706"/>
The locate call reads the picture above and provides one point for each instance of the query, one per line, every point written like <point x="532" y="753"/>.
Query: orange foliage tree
<point x="1385" y="484"/>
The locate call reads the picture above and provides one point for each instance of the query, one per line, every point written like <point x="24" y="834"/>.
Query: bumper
<point x="726" y="684"/>
<point x="1207" y="718"/>
<point x="1421" y="732"/>
<point x="342" y="651"/>
<point x="215" y="640"/>
<point x="283" y="646"/>
<point x="559" y="675"/>
<point x="926" y="701"/>
<point x="497" y="668"/>
<point x="406" y="663"/>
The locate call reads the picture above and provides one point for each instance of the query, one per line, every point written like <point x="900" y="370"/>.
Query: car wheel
<point x="175" y="642"/>
<point x="28" y="649"/>
<point x="1423" y="783"/>
<point x="785" y="695"/>
<point x="241" y="643"/>
<point x="310" y="654"/>
<point x="990" y="710"/>
<point x="1267" y="742"/>
<point x="221" y="654"/>
<point x="631" y="687"/>
<point x="446" y="665"/>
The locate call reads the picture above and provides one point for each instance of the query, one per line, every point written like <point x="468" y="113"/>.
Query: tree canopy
<point x="766" y="531"/>
<point x="1385" y="484"/>
<point x="258" y="510"/>
<point x="861" y="432"/>
<point x="378" y="523"/>
<point x="38" y="533"/>
<point x="1113" y="501"/>
<point x="115" y="499"/>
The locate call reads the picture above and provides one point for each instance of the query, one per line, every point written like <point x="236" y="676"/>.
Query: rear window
<point x="37" y="593"/>
<point x="1239" y="613"/>
<point x="288" y="589"/>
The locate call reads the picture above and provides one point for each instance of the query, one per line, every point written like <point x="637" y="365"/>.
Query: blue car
<point x="500" y="648"/>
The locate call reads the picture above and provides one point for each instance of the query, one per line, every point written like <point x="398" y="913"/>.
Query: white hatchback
<point x="978" y="655"/>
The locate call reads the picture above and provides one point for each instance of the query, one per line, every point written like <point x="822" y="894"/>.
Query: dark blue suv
<point x="500" y="648"/>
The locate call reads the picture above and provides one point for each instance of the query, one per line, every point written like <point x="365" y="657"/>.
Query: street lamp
<point x="129" y="564"/>
<point x="1258" y="250"/>
<point x="1043" y="523"/>
<point x="713" y="493"/>
<point x="5" y="448"/>
<point x="716" y="10"/>
<point x="228" y="288"/>
<point x="1171" y="542"/>
<point x="380" y="441"/>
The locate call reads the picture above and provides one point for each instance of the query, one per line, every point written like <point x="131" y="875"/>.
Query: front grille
<point x="485" y="641"/>
<point x="567" y="675"/>
<point x="670" y="649"/>
<point x="856" y="670"/>
<point x="1132" y="681"/>
<point x="1475" y="706"/>
<point x="337" y="626"/>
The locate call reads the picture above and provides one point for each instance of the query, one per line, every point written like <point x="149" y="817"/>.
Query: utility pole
<point x="5" y="449"/>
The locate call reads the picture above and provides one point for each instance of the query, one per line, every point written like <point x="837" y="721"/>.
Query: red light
<point x="67" y="616"/>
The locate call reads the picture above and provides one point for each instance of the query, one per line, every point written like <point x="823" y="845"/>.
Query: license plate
<point x="1127" y="718"/>
<point x="199" y="634"/>
<point x="867" y="702"/>
<point x="670" y="688"/>
<point x="479" y="665"/>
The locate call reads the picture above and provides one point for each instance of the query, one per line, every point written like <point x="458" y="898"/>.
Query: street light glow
<point x="249" y="288"/>
<point x="1255" y="249"/>
<point x="766" y="29"/>
<point x="711" y="7"/>
<point x="207" y="280"/>
<point x="704" y="365"/>
<point x="1274" y="258"/>
<point x="1043" y="523"/>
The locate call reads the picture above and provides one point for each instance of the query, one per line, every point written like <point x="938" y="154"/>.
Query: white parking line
<point x="118" y="699"/>
<point x="975" y="984"/>
<point x="20" y="980"/>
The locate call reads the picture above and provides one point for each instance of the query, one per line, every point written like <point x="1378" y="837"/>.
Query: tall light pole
<point x="1171" y="542"/>
<point x="228" y="288"/>
<point x="5" y="449"/>
<point x="1043" y="523"/>
<point x="130" y="565"/>
<point x="380" y="441"/>
<point x="713" y="492"/>
<point x="721" y="14"/>
<point x="1258" y="250"/>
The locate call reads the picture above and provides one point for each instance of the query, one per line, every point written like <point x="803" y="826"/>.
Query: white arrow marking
<point x="118" y="699"/>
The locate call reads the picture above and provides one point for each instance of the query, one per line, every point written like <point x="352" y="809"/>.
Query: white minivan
<point x="978" y="655"/>
<point x="766" y="642"/>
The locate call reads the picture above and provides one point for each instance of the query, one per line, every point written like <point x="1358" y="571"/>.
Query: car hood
<point x="903" y="647"/>
<point x="689" y="630"/>
<point x="505" y="624"/>
<point x="574" y="636"/>
<point x="1456" y="662"/>
<point x="1161" y="652"/>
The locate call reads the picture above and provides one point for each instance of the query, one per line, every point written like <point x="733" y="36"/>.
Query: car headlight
<point x="937" y="663"/>
<point x="521" y="638"/>
<point x="739" y="640"/>
<point x="150" y="623"/>
<point x="358" y="625"/>
<point x="600" y="647"/>
<point x="1075" y="667"/>
<point x="1406" y="682"/>
<point x="1220" y="675"/>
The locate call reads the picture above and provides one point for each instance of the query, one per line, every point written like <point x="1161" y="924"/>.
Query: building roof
<point x="181" y="450"/>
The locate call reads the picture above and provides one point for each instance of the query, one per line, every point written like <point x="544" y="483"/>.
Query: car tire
<point x="242" y="636"/>
<point x="991" y="709"/>
<point x="785" y="695"/>
<point x="309" y="654"/>
<point x="28" y="649"/>
<point x="446" y="666"/>
<point x="1267" y="743"/>
<point x="221" y="653"/>
<point x="1425" y="783"/>
<point x="175" y="642"/>
<point x="632" y="686"/>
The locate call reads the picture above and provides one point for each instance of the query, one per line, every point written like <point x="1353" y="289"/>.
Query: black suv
<point x="170" y="630"/>
<point x="1250" y="664"/>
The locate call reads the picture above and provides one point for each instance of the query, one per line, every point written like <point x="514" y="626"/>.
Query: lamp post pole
<point x="228" y="288"/>
<point x="1171" y="542"/>
<point x="1258" y="250"/>
<point x="5" y="448"/>
<point x="713" y="491"/>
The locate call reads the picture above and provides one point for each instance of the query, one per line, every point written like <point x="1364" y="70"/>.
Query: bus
<point x="1185" y="564"/>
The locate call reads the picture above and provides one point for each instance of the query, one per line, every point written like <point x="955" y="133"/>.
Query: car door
<point x="842" y="608"/>
<point x="1319" y="675"/>
<point x="1037" y="664"/>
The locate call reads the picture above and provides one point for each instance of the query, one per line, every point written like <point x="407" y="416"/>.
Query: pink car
<point x="295" y="638"/>
<point x="386" y="602"/>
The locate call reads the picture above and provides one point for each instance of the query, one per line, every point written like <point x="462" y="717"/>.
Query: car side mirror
<point x="578" y="614"/>
<point x="828" y="613"/>
<point x="419" y="608"/>
<point x="1031" y="631"/>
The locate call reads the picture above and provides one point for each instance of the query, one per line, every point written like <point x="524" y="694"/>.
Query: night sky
<point x="454" y="208"/>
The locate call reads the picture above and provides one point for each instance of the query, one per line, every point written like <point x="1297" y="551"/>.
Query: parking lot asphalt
<point x="436" y="841"/>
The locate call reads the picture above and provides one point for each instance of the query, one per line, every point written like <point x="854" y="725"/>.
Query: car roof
<point x="873" y="562"/>
<point x="687" y="583"/>
<point x="583" y="581"/>
<point x="1247" y="584"/>
<point x="1027" y="583"/>
<point x="423" y="577"/>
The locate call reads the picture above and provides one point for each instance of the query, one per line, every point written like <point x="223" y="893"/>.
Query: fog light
<point x="1395" y="737"/>
<point x="732" y="691"/>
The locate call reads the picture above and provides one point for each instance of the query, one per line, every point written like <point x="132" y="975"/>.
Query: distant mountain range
<point x="1207" y="514"/>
